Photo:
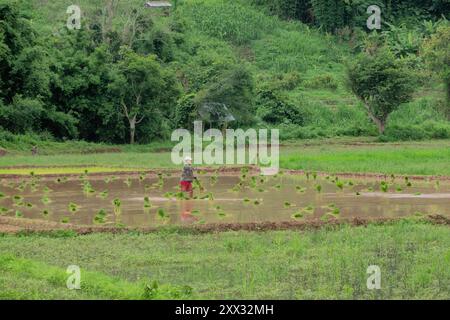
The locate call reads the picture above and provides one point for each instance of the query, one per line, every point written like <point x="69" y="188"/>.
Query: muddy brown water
<point x="283" y="198"/>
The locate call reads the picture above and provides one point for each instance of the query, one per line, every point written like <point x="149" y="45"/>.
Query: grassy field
<point x="415" y="158"/>
<point x="407" y="158"/>
<point x="414" y="259"/>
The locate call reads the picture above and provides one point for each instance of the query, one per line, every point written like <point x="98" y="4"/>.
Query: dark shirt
<point x="188" y="173"/>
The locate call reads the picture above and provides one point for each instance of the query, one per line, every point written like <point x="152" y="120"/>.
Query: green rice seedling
<point x="417" y="194"/>
<point x="437" y="185"/>
<point x="236" y="188"/>
<point x="336" y="211"/>
<point x="197" y="185"/>
<point x="330" y="206"/>
<point x="17" y="198"/>
<point x="309" y="209"/>
<point x="261" y="190"/>
<point x="350" y="183"/>
<point x="257" y="202"/>
<point x="370" y="189"/>
<point x="398" y="189"/>
<point x="409" y="184"/>
<point x="169" y="195"/>
<point x="87" y="188"/>
<point x="29" y="205"/>
<point x="142" y="177"/>
<point x="287" y="204"/>
<point x="45" y="212"/>
<point x="246" y="200"/>
<point x="45" y="200"/>
<point x="210" y="196"/>
<point x="47" y="190"/>
<point x="300" y="189"/>
<point x="162" y="214"/>
<point x="21" y="187"/>
<point x="19" y="214"/>
<point x="180" y="195"/>
<point x="3" y="211"/>
<point x="65" y="220"/>
<point x="128" y="182"/>
<point x="147" y="203"/>
<point x="221" y="214"/>
<point x="100" y="217"/>
<point x="73" y="207"/>
<point x="253" y="185"/>
<point x="195" y="212"/>
<point x="319" y="188"/>
<point x="58" y="180"/>
<point x="218" y="208"/>
<point x="213" y="180"/>
<point x="340" y="185"/>
<point x="314" y="174"/>
<point x="358" y="193"/>
<point x="113" y="178"/>
<point x="147" y="187"/>
<point x="201" y="221"/>
<point x="297" y="215"/>
<point x="107" y="180"/>
<point x="104" y="194"/>
<point x="277" y="186"/>
<point x="325" y="217"/>
<point x="307" y="175"/>
<point x="117" y="205"/>
<point x="384" y="186"/>
<point x="2" y="195"/>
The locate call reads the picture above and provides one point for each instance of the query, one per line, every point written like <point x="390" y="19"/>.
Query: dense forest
<point x="309" y="67"/>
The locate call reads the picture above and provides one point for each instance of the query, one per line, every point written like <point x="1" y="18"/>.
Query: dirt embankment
<point x="12" y="225"/>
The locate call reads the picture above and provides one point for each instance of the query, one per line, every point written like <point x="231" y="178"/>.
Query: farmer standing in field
<point x="187" y="177"/>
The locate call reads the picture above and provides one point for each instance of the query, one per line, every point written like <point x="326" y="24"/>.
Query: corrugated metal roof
<point x="158" y="4"/>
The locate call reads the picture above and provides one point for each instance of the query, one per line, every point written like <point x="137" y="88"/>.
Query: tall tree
<point x="140" y="85"/>
<point x="381" y="82"/>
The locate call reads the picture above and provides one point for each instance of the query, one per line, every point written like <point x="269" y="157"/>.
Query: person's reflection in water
<point x="186" y="212"/>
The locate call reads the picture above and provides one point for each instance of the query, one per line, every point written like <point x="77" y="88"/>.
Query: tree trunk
<point x="132" y="133"/>
<point x="447" y="84"/>
<point x="132" y="129"/>
<point x="381" y="124"/>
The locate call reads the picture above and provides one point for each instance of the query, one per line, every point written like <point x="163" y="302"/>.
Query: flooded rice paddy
<point x="141" y="201"/>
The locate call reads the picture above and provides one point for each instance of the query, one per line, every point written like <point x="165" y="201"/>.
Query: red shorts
<point x="186" y="186"/>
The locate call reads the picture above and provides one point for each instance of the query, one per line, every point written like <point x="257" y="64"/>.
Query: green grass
<point x="414" y="258"/>
<point x="337" y="155"/>
<point x="405" y="158"/>
<point x="29" y="279"/>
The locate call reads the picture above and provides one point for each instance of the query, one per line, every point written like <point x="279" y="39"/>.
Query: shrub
<point x="274" y="110"/>
<point x="323" y="81"/>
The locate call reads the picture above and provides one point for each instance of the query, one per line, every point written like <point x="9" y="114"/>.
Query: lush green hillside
<point x="271" y="72"/>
